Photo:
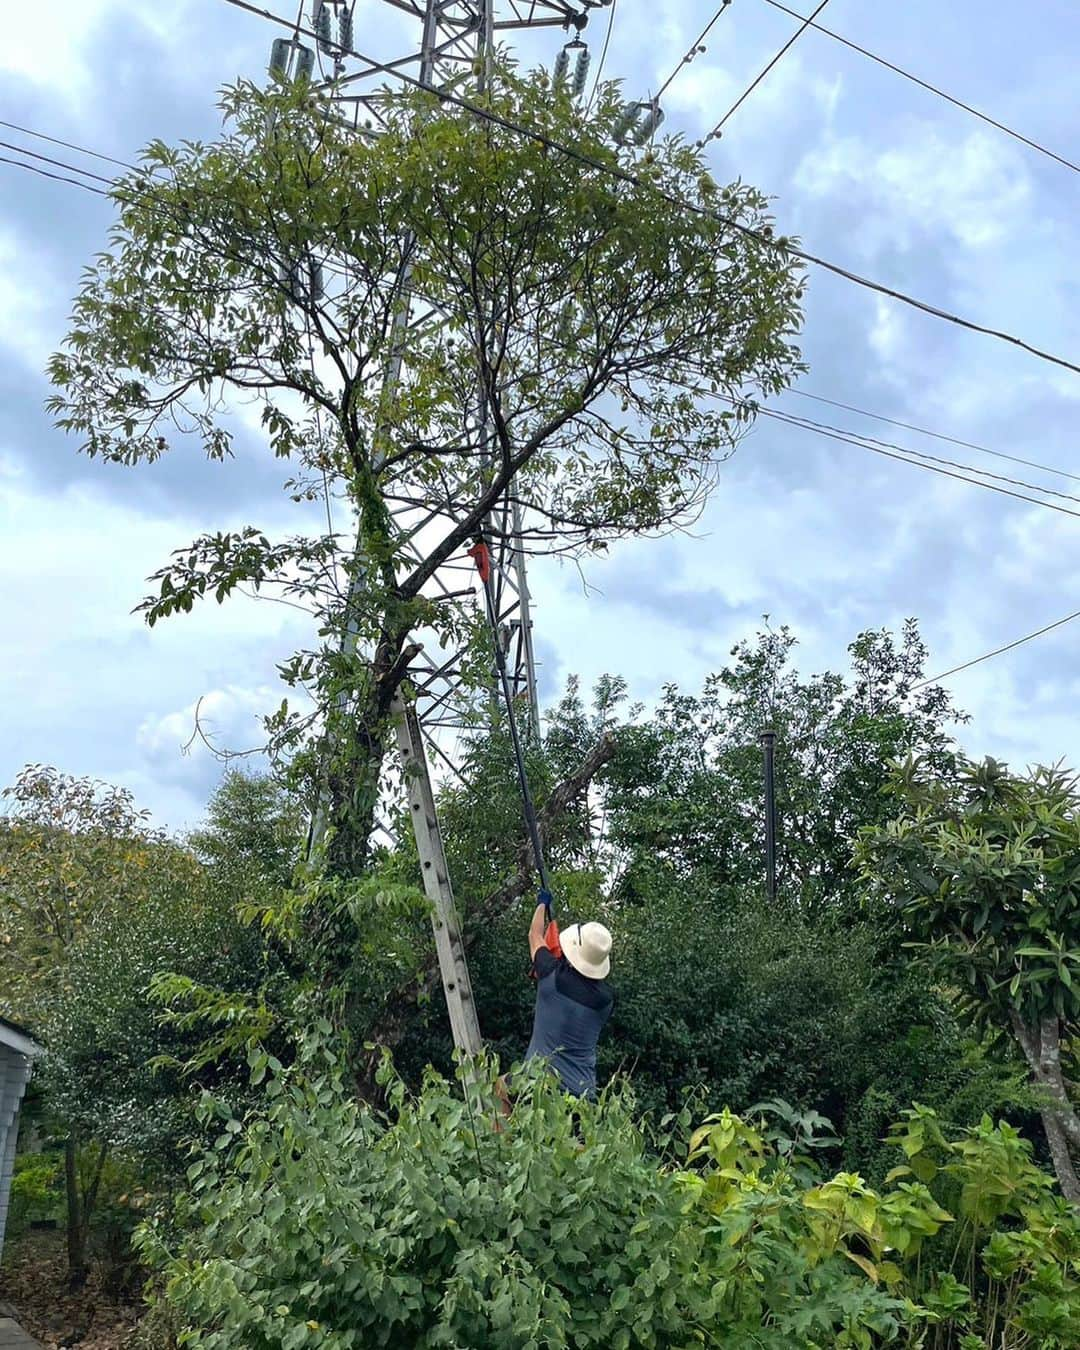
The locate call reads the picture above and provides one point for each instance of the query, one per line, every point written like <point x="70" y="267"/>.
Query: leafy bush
<point x="319" y="1223"/>
<point x="734" y="1003"/>
<point x="1015" y="1242"/>
<point x="37" y="1190"/>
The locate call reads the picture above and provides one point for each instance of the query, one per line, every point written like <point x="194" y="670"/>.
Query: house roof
<point x="19" y="1039"/>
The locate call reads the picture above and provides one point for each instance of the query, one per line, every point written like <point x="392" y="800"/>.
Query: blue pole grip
<point x="544" y="898"/>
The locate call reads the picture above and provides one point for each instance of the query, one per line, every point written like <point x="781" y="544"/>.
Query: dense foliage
<point x="325" y="1207"/>
<point x="986" y="868"/>
<point x="718" y="993"/>
<point x="598" y="351"/>
<point x="95" y="906"/>
<point x="316" y="1222"/>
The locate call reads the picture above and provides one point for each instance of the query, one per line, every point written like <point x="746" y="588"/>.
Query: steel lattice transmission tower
<point x="351" y="52"/>
<point x="434" y="43"/>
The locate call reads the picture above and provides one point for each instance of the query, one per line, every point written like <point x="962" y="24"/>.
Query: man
<point x="573" y="1000"/>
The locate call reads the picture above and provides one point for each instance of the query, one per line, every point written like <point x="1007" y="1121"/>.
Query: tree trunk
<point x="353" y="790"/>
<point x="76" y="1228"/>
<point x="1059" y="1153"/>
<point x="357" y="739"/>
<point x="1042" y="1049"/>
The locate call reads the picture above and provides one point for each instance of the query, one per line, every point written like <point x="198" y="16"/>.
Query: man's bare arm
<point x="536" y="930"/>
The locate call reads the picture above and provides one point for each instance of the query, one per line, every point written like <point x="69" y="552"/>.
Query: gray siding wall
<point x="14" y="1076"/>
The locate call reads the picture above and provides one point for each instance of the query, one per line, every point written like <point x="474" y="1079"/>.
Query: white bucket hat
<point x="587" y="946"/>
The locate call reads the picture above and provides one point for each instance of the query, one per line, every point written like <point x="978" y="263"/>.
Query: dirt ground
<point x="33" y="1281"/>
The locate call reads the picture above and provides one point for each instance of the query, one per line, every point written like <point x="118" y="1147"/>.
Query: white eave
<point x="19" y="1041"/>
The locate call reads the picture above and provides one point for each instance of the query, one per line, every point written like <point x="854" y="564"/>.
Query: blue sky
<point x="869" y="170"/>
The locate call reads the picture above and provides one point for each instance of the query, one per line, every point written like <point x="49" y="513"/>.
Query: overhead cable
<point x="56" y="177"/>
<point x="1008" y="647"/>
<point x="603" y="54"/>
<point x="70" y="145"/>
<point x="117" y="188"/>
<point x="59" y="163"/>
<point x="900" y="454"/>
<point x="694" y="49"/>
<point x="761" y="75"/>
<point x="801" y="393"/>
<point x="937" y="435"/>
<point x="447" y="96"/>
<point x="934" y="459"/>
<point x="931" y="88"/>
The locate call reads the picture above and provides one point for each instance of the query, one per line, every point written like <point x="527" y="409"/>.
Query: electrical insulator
<point x="625" y="121"/>
<point x="279" y="57"/>
<point x="581" y="71"/>
<point x="322" y="28"/>
<point x="345" y="31"/>
<point x="289" y="277"/>
<point x="305" y="62"/>
<point x="562" y="65"/>
<point x="654" y="115"/>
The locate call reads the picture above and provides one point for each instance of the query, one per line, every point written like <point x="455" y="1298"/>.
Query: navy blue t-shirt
<point x="571" y="1011"/>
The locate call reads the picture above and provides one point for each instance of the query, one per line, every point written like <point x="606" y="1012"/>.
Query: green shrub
<point x="37" y="1190"/>
<point x="736" y="1003"/>
<point x="317" y="1222"/>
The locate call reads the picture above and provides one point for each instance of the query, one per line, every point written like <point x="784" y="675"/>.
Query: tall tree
<point x="684" y="798"/>
<point x="986" y="867"/>
<point x="77" y="860"/>
<point x="69" y="849"/>
<point x="574" y="332"/>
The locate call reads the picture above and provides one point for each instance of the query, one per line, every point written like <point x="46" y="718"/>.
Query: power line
<point x="59" y="163"/>
<point x="937" y="435"/>
<point x="901" y="454"/>
<point x="693" y="49"/>
<point x="761" y="75"/>
<point x="801" y="393"/>
<point x="804" y="423"/>
<point x="626" y="176"/>
<point x="933" y="89"/>
<point x="115" y="184"/>
<point x="70" y="145"/>
<point x="603" y="54"/>
<point x="57" y="178"/>
<point x="934" y="459"/>
<point x="1009" y="646"/>
<point x="854" y="438"/>
<point x="830" y="432"/>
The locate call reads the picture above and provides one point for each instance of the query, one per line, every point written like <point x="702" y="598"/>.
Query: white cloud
<point x="27" y="303"/>
<point x="95" y="690"/>
<point x="888" y="332"/>
<point x="179" y="744"/>
<point x="48" y="45"/>
<point x="826" y="537"/>
<point x="973" y="187"/>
